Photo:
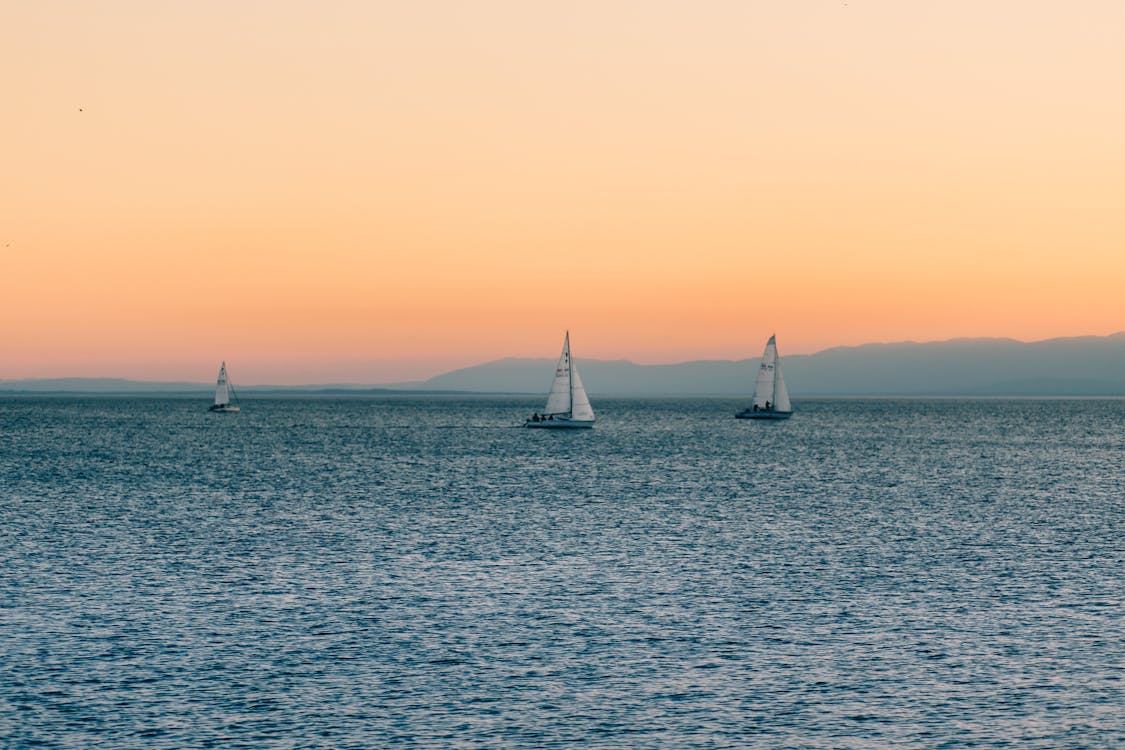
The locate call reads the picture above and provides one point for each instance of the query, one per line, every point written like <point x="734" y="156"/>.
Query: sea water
<point x="405" y="572"/>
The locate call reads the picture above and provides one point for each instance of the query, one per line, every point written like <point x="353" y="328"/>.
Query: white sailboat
<point x="223" y="392"/>
<point x="771" y="397"/>
<point x="568" y="407"/>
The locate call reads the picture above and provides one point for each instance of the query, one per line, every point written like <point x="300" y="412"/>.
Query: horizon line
<point x="392" y="384"/>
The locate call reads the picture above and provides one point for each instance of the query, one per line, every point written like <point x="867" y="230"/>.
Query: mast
<point x="776" y="372"/>
<point x="570" y="372"/>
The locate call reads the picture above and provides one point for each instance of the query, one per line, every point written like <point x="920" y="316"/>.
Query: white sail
<point x="568" y="406"/>
<point x="222" y="390"/>
<point x="559" y="400"/>
<point x="780" y="392"/>
<point x="580" y="403"/>
<point x="763" y="389"/>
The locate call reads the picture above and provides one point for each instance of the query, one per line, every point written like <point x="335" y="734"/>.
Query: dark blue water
<point x="418" y="573"/>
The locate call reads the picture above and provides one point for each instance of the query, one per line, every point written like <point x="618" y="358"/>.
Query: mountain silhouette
<point x="1075" y="366"/>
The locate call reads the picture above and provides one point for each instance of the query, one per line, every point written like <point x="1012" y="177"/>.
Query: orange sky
<point x="362" y="191"/>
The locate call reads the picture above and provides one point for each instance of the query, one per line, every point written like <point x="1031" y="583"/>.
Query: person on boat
<point x="755" y="407"/>
<point x="534" y="416"/>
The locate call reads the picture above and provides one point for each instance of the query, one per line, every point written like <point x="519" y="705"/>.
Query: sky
<point x="360" y="191"/>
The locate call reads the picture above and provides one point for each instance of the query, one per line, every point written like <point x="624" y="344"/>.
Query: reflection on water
<point x="365" y="572"/>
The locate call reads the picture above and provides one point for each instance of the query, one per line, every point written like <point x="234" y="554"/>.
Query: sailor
<point x="767" y="406"/>
<point x="755" y="407"/>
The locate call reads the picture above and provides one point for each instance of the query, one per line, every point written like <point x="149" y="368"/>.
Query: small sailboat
<point x="568" y="407"/>
<point x="771" y="397"/>
<point x="223" y="392"/>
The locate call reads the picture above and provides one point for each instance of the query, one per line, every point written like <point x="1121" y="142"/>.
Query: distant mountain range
<point x="1078" y="366"/>
<point x="141" y="387"/>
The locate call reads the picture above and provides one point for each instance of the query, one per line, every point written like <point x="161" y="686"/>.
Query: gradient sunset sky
<point x="368" y="192"/>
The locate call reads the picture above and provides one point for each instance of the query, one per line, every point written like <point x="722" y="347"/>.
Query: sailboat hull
<point x="560" y="424"/>
<point x="224" y="408"/>
<point x="772" y="415"/>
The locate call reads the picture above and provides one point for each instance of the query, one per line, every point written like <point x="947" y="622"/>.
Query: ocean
<point x="407" y="572"/>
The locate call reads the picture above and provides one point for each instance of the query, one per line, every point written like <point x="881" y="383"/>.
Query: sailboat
<point x="568" y="407"/>
<point x="223" y="392"/>
<point x="771" y="397"/>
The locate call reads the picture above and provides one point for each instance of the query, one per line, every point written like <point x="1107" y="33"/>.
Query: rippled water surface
<point x="418" y="573"/>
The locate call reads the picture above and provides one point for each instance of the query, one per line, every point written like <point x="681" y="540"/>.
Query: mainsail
<point x="222" y="389"/>
<point x="767" y="378"/>
<point x="559" y="400"/>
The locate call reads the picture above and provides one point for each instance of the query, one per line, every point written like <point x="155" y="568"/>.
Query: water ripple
<point x="372" y="572"/>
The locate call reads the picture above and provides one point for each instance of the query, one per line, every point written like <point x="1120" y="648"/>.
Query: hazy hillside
<point x="122" y="385"/>
<point x="1081" y="366"/>
<point x="1089" y="365"/>
<point x="101" y="385"/>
